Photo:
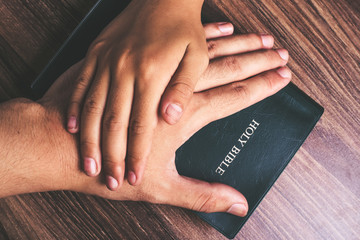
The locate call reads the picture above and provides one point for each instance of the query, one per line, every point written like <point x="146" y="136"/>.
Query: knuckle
<point x="91" y="107"/>
<point x="83" y="81"/>
<point x="212" y="47"/>
<point x="112" y="161"/>
<point x="138" y="127"/>
<point x="183" y="88"/>
<point x="88" y="146"/>
<point x="232" y="64"/>
<point x="120" y="60"/>
<point x="135" y="158"/>
<point x="112" y="123"/>
<point x="74" y="104"/>
<point x="241" y="90"/>
<point x="96" y="47"/>
<point x="147" y="70"/>
<point x="205" y="202"/>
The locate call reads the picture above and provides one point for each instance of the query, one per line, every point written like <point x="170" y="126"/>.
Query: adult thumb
<point x="207" y="197"/>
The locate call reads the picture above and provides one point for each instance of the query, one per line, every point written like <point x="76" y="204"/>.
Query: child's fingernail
<point x="89" y="166"/>
<point x="283" y="53"/>
<point x="225" y="27"/>
<point x="72" y="123"/>
<point x="267" y="40"/>
<point x="174" y="111"/>
<point x="284" y="72"/>
<point x="131" y="178"/>
<point x="112" y="183"/>
<point x="238" y="209"/>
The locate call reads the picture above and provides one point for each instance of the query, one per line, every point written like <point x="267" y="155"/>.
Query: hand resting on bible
<point x="38" y="154"/>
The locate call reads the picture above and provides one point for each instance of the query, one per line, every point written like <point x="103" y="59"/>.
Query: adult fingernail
<point x="174" y="111"/>
<point x="89" y="166"/>
<point x="225" y="27"/>
<point x="112" y="183"/>
<point x="238" y="209"/>
<point x="132" y="178"/>
<point x="267" y="40"/>
<point x="71" y="123"/>
<point x="283" y="53"/>
<point x="284" y="72"/>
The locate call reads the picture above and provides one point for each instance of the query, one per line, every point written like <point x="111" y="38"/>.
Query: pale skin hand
<point x="47" y="157"/>
<point x="153" y="52"/>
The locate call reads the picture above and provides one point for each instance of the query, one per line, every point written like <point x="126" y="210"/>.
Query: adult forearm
<point x="16" y="146"/>
<point x="28" y="163"/>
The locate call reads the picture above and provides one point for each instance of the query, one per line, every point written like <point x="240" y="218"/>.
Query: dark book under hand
<point x="249" y="149"/>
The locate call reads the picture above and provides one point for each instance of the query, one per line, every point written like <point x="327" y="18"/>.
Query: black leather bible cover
<point x="247" y="150"/>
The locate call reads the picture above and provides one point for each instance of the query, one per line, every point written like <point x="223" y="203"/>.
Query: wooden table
<point x="316" y="197"/>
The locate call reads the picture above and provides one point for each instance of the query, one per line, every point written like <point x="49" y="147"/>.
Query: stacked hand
<point x="154" y="51"/>
<point x="243" y="70"/>
<point x="140" y="71"/>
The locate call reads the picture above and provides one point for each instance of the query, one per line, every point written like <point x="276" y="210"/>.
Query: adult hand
<point x="155" y="50"/>
<point x="237" y="77"/>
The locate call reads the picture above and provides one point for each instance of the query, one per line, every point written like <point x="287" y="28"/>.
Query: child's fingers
<point x="91" y="123"/>
<point x="115" y="128"/>
<point x="143" y="121"/>
<point x="218" y="29"/>
<point x="82" y="85"/>
<point x="233" y="68"/>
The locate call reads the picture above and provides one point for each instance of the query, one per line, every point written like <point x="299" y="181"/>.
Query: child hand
<point x="151" y="55"/>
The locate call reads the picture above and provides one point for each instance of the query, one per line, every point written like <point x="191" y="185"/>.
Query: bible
<point x="247" y="150"/>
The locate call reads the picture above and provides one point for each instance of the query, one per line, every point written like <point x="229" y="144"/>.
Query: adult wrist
<point x="20" y="170"/>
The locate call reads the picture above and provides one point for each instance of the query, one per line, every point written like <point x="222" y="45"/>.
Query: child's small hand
<point x="151" y="55"/>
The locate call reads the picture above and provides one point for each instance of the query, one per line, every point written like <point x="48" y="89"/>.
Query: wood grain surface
<point x="316" y="197"/>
